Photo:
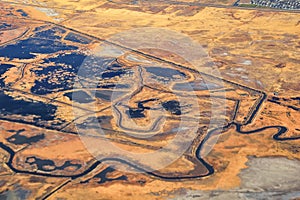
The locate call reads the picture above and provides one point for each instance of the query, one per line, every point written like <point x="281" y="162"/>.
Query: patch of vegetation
<point x="248" y="5"/>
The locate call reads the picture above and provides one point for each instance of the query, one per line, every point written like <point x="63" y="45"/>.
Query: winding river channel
<point x="278" y="136"/>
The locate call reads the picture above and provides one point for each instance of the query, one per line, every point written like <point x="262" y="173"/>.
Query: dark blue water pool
<point x="165" y="72"/>
<point x="79" y="97"/>
<point x="25" y="49"/>
<point x="63" y="71"/>
<point x="24" y="14"/>
<point x="43" y="42"/>
<point x="172" y="106"/>
<point x="4" y="25"/>
<point x="77" y="38"/>
<point x="4" y="68"/>
<point x="11" y="106"/>
<point x="19" y="139"/>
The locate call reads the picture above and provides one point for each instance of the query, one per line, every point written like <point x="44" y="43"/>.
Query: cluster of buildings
<point x="280" y="4"/>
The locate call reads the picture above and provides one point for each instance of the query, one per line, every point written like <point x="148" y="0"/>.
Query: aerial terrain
<point x="92" y="108"/>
